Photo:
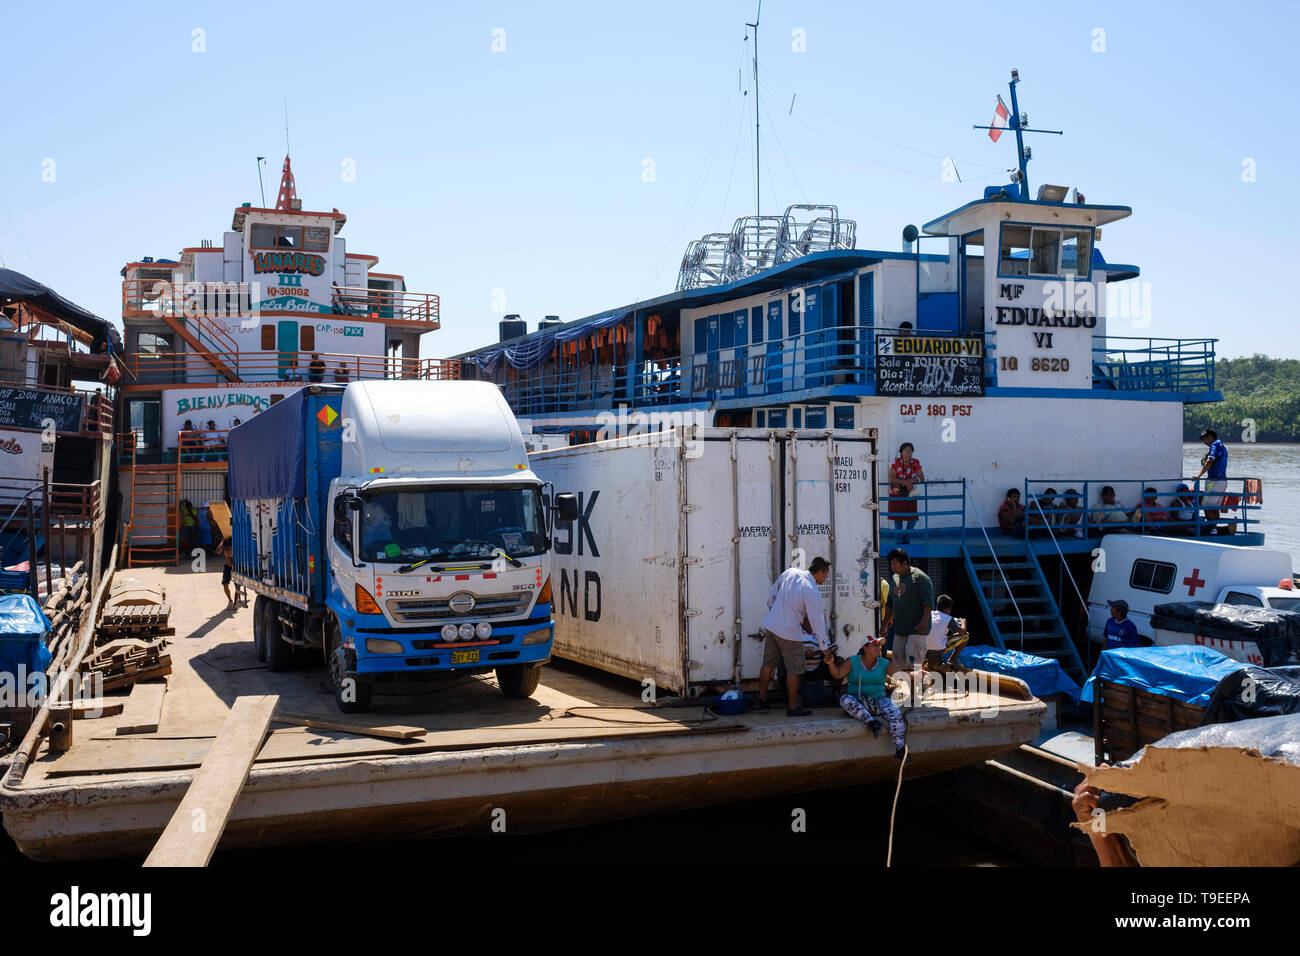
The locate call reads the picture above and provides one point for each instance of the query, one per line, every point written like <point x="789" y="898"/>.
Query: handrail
<point x="289" y="367"/>
<point x="997" y="564"/>
<point x="1197" y="525"/>
<point x="190" y="299"/>
<point x="1083" y="603"/>
<point x="924" y="513"/>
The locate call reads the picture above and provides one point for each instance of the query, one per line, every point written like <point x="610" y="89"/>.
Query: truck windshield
<point x="452" y="523"/>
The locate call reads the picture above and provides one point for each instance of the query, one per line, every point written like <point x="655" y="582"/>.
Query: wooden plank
<point x="143" y="709"/>
<point x="125" y="680"/>
<point x="215" y="788"/>
<point x="96" y="707"/>
<point x="389" y="731"/>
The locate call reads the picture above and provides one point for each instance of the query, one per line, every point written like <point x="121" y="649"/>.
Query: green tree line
<point x="1260" y="388"/>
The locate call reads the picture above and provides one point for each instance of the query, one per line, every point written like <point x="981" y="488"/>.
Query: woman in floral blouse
<point x="904" y="474"/>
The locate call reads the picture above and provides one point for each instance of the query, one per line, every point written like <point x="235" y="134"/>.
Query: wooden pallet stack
<point x="131" y="637"/>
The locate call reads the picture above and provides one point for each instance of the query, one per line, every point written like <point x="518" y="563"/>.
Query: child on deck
<point x="867" y="696"/>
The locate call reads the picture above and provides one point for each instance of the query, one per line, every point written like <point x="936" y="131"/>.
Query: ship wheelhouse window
<point x="1155" y="576"/>
<point x="267" y="236"/>
<point x="316" y="239"/>
<point x="1042" y="251"/>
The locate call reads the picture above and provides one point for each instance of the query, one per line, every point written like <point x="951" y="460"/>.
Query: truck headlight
<point x="467" y="632"/>
<point x="483" y="631"/>
<point x="379" y="645"/>
<point x="537" y="637"/>
<point x="449" y="632"/>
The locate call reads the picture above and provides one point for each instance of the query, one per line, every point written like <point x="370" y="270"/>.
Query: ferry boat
<point x="231" y="327"/>
<point x="586" y="748"/>
<point x="985" y="343"/>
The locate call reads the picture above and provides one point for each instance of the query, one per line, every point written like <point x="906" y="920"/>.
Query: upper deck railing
<point x="1127" y="363"/>
<point x="163" y="368"/>
<point x="149" y="297"/>
<point x="841" y="355"/>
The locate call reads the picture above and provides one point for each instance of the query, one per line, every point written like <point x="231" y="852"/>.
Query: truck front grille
<point x="414" y="610"/>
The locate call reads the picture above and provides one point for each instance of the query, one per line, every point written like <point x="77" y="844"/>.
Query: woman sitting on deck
<point x="867" y="696"/>
<point x="1011" y="516"/>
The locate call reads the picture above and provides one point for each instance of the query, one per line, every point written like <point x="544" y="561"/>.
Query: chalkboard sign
<point x="30" y="407"/>
<point x="929" y="365"/>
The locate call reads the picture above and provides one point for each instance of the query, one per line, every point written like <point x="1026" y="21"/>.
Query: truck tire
<point x="352" y="694"/>
<point x="519" y="680"/>
<point x="259" y="627"/>
<point x="279" y="653"/>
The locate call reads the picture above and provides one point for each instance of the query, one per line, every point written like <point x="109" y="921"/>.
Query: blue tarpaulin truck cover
<point x="1186" y="672"/>
<point x="268" y="453"/>
<point x="1043" y="675"/>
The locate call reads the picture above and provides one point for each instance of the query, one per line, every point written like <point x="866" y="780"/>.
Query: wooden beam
<point x="192" y="834"/>
<point x="143" y="709"/>
<point x="390" y="731"/>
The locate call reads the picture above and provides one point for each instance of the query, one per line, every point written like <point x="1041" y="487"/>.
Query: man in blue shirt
<point x="1216" y="463"/>
<point x="1120" y="631"/>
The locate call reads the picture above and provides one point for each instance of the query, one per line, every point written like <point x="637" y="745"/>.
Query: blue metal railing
<point x="1130" y="363"/>
<point x="1238" y="502"/>
<point x="939" y="507"/>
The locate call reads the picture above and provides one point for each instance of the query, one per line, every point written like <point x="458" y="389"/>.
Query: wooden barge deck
<point x="585" y="749"/>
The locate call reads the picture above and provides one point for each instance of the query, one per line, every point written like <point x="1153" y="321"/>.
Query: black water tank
<point x="550" y="322"/>
<point x="512" y="327"/>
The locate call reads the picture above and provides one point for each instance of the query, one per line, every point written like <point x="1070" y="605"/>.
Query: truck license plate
<point x="464" y="657"/>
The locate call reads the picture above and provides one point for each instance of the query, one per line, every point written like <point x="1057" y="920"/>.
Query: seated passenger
<point x="1042" y="514"/>
<point x="1110" y="516"/>
<point x="1151" y="518"/>
<point x="1070" y="520"/>
<point x="1011" y="516"/>
<point x="867" y="694"/>
<point x="1183" y="510"/>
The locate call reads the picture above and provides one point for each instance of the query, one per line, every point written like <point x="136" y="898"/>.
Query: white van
<point x="1146" y="570"/>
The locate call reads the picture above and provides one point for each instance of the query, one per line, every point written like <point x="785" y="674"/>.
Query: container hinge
<point x="692" y="612"/>
<point x="690" y="509"/>
<point x="690" y="562"/>
<point x="871" y="505"/>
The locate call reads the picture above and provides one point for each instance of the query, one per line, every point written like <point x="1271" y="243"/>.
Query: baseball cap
<point x="1121" y="604"/>
<point x="877" y="639"/>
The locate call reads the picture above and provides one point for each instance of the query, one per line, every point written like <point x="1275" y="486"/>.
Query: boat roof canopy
<point x="959" y="221"/>
<point x="16" y="287"/>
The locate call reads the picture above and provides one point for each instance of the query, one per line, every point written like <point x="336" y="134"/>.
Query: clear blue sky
<point x="523" y="170"/>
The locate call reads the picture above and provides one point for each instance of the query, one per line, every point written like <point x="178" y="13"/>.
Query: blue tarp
<point x="268" y="453"/>
<point x="1186" y="672"/>
<point x="23" y="627"/>
<point x="1043" y="675"/>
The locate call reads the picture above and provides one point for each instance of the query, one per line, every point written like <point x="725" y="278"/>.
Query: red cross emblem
<point x="1194" y="582"/>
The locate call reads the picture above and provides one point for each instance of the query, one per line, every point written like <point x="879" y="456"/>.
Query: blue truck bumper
<point x="426" y="651"/>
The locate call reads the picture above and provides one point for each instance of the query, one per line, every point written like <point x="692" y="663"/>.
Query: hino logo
<point x="461" y="603"/>
<point x="412" y="593"/>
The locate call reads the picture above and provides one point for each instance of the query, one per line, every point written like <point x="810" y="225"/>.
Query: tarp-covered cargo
<point x="1276" y="633"/>
<point x="1185" y="672"/>
<point x="268" y="452"/>
<point x="1254" y="692"/>
<point x="1043" y="675"/>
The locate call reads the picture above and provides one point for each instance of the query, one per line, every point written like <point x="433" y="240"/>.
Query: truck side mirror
<point x="354" y="503"/>
<point x="566" y="507"/>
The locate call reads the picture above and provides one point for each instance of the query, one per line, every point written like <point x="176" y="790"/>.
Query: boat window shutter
<point x="307" y="338"/>
<point x="268" y="338"/>
<point x="866" y="318"/>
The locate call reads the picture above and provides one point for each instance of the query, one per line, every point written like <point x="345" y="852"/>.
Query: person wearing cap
<point x="1183" y="510"/>
<point x="866" y="696"/>
<point x="1109" y="512"/>
<point x="795" y="595"/>
<point x="1042" y="513"/>
<point x="1215" y="463"/>
<point x="1120" y="631"/>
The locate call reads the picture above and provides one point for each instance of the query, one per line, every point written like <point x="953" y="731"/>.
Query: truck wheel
<point x="259" y="627"/>
<point x="279" y="654"/>
<point x="519" y="680"/>
<point x="352" y="693"/>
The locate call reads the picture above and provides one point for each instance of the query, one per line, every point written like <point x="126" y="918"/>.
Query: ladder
<point x="151" y="530"/>
<point x="1018" y="605"/>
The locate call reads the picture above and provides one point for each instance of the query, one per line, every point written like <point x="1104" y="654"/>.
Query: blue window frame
<point x="756" y="324"/>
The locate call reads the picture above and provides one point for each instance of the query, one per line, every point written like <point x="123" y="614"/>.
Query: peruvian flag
<point x="1000" y="117"/>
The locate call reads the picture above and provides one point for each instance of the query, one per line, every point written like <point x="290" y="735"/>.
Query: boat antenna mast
<point x="758" y="206"/>
<point x="261" y="161"/>
<point x="1019" y="122"/>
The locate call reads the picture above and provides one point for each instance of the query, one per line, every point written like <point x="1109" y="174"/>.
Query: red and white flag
<point x="1000" y="117"/>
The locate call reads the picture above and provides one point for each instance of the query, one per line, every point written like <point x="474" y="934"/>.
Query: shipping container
<point x="665" y="574"/>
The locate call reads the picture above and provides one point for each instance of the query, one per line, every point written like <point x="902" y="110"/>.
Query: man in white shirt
<point x="921" y="646"/>
<point x="795" y="595"/>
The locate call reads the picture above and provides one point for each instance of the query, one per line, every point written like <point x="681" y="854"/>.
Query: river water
<point x="1279" y="467"/>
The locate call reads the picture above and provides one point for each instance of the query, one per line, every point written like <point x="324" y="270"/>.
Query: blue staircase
<point x="1007" y="570"/>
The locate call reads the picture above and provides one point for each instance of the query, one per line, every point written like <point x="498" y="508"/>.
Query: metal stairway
<point x="215" y="333"/>
<point x="1018" y="605"/>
